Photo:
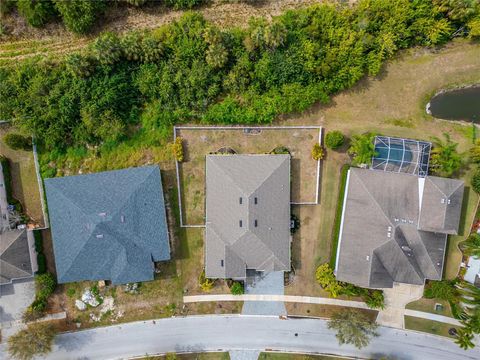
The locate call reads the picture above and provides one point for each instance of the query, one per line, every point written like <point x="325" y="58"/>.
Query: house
<point x="15" y="256"/>
<point x="109" y="225"/>
<point x="247" y="214"/>
<point x="394" y="227"/>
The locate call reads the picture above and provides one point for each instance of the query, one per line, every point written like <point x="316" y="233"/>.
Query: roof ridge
<point x="3" y="262"/>
<point x="228" y="176"/>
<point x="374" y="200"/>
<point x="13" y="239"/>
<point x="105" y="223"/>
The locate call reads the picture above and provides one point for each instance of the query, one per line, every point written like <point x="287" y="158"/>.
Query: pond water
<point x="459" y="104"/>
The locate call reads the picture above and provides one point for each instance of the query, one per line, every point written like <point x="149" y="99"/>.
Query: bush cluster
<point x="17" y="142"/>
<point x="205" y="283"/>
<point x="334" y="139"/>
<point x="236" y="288"/>
<point x="190" y="70"/>
<point x="178" y="149"/>
<point x="327" y="280"/>
<point x="44" y="287"/>
<point x="317" y="152"/>
<point x="41" y="259"/>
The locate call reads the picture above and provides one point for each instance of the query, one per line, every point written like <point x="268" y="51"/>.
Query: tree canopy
<point x="353" y="327"/>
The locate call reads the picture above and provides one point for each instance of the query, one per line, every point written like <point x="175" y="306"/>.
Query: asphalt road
<point x="213" y="332"/>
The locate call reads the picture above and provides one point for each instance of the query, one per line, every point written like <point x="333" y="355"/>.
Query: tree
<point x="444" y="158"/>
<point x="476" y="181"/>
<point x="79" y="15"/>
<point x="36" y="12"/>
<point x="334" y="139"/>
<point x="464" y="339"/>
<point x="106" y="49"/>
<point x="362" y="148"/>
<point x="353" y="327"/>
<point x="17" y="142"/>
<point x="36" y="339"/>
<point x="471" y="246"/>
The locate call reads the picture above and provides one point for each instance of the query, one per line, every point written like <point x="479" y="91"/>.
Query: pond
<point x="458" y="104"/>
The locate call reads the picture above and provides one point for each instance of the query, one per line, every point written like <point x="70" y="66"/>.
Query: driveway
<point x="238" y="332"/>
<point x="265" y="284"/>
<point x="14" y="299"/>
<point x="396" y="299"/>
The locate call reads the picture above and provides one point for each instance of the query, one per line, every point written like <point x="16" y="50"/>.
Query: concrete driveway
<point x="14" y="299"/>
<point x="265" y="284"/>
<point x="396" y="299"/>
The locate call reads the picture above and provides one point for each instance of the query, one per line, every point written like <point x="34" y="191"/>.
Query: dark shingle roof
<point x="109" y="225"/>
<point x="262" y="242"/>
<point x="14" y="256"/>
<point x="383" y="238"/>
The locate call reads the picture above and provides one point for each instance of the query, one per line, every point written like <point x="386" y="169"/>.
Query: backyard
<point x="198" y="143"/>
<point x="24" y="179"/>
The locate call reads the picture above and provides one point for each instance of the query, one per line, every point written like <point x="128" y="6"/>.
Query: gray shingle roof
<point x="384" y="238"/>
<point x="109" y="225"/>
<point x="14" y="256"/>
<point x="262" y="242"/>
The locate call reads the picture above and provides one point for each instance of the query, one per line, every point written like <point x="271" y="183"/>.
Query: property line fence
<point x="177" y="165"/>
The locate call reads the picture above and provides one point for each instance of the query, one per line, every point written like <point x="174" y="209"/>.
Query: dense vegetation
<point x="192" y="71"/>
<point x="353" y="327"/>
<point x="35" y="340"/>
<point x="79" y="16"/>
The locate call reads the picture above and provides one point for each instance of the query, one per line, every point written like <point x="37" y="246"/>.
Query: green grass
<point x="428" y="326"/>
<point x="338" y="215"/>
<point x="428" y="305"/>
<point x="286" y="356"/>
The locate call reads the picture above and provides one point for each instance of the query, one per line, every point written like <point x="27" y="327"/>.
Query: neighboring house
<point x="394" y="227"/>
<point x="109" y="225"/>
<point x="247" y="214"/>
<point x="15" y="256"/>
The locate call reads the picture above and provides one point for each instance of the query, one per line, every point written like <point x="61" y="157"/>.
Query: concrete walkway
<point x="284" y="298"/>
<point x="434" y="317"/>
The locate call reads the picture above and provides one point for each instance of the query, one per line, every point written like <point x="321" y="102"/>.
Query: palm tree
<point x="353" y="328"/>
<point x="470" y="294"/>
<point x="362" y="148"/>
<point x="471" y="246"/>
<point x="464" y="339"/>
<point x="444" y="158"/>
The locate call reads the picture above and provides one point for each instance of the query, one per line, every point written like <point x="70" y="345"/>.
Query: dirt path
<point x="24" y="41"/>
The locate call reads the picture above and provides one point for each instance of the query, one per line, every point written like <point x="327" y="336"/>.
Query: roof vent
<point x="122" y="218"/>
<point x="438" y="264"/>
<point x="240" y="223"/>
<point x="256" y="222"/>
<point x="221" y="263"/>
<point x="256" y="200"/>
<point x="240" y="200"/>
<point x="102" y="214"/>
<point x="99" y="236"/>
<point x="368" y="257"/>
<point x="448" y="201"/>
<point x="442" y="201"/>
<point x="406" y="248"/>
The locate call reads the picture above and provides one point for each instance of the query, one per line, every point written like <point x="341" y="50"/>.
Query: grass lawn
<point x="24" y="179"/>
<point x="428" y="305"/>
<point x="285" y="356"/>
<point x="323" y="311"/>
<point x="428" y="326"/>
<point x="193" y="356"/>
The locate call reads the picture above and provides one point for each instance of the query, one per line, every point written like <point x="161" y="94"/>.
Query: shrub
<point x="237" y="288"/>
<point x="42" y="263"/>
<point x="71" y="292"/>
<point x="44" y="285"/>
<point x="476" y="181"/>
<point x="471" y="246"/>
<point x="317" y="152"/>
<point x="178" y="149"/>
<point x="444" y="290"/>
<point x="205" y="283"/>
<point x="325" y="277"/>
<point x="374" y="299"/>
<point x="279" y="150"/>
<point x="475" y="152"/>
<point x="334" y="139"/>
<point x="37" y="13"/>
<point x="17" y="141"/>
<point x="362" y="148"/>
<point x="444" y="158"/>
<point x="79" y="15"/>
<point x="184" y="4"/>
